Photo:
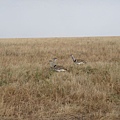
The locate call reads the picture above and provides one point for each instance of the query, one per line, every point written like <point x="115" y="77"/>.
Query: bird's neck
<point x="73" y="59"/>
<point x="51" y="64"/>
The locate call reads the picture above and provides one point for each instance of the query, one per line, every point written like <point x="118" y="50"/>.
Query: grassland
<point x="30" y="90"/>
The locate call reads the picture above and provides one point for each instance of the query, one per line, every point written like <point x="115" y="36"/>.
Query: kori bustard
<point x="55" y="67"/>
<point x="77" y="61"/>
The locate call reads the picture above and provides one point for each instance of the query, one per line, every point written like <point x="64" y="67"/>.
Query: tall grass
<point x="30" y="90"/>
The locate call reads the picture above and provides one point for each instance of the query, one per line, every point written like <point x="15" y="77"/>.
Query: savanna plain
<point x="31" y="90"/>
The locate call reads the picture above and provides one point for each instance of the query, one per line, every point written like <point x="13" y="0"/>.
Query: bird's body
<point x="78" y="61"/>
<point x="59" y="68"/>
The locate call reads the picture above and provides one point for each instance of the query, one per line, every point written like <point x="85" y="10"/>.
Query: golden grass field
<point x="30" y="90"/>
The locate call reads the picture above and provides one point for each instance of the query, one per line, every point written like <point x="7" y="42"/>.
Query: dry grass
<point x="29" y="90"/>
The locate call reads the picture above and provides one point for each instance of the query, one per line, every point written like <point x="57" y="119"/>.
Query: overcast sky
<point x="59" y="18"/>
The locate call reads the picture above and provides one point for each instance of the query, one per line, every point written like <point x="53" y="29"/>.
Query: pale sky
<point x="59" y="18"/>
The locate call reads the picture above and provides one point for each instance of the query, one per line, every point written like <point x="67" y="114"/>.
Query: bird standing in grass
<point x="56" y="67"/>
<point x="78" y="61"/>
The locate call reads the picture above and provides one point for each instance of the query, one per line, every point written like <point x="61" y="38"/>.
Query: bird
<point x="77" y="61"/>
<point x="55" y="67"/>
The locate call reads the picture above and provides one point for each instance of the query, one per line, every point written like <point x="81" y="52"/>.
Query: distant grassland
<point x="30" y="90"/>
